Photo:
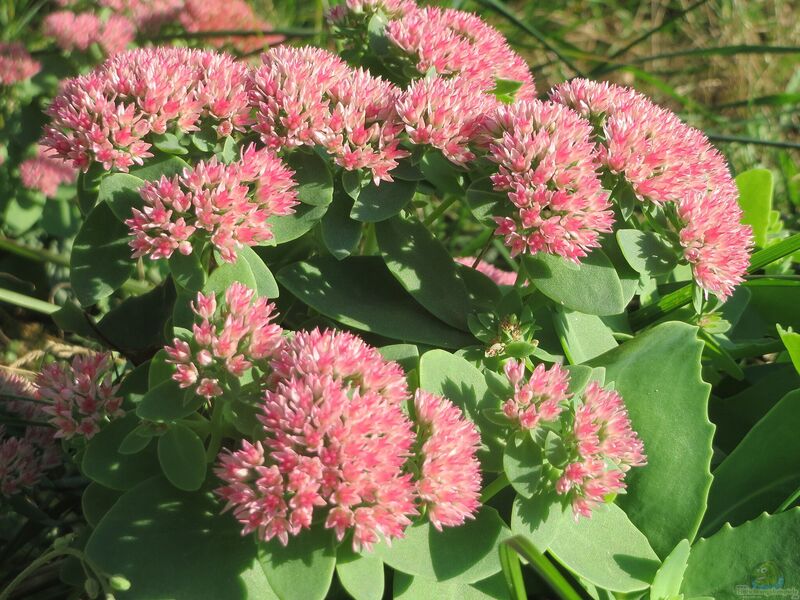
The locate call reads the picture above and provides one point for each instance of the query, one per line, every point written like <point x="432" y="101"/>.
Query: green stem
<point x="512" y="572"/>
<point x="789" y="501"/>
<point x="682" y="296"/>
<point x="36" y="564"/>
<point x="543" y="567"/>
<point x="36" y="254"/>
<point x="494" y="488"/>
<point x="34" y="304"/>
<point x="439" y="210"/>
<point x="216" y="431"/>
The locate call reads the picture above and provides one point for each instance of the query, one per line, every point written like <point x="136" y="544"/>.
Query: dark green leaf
<point x="164" y="166"/>
<point x="425" y="269"/>
<point x="290" y="227"/>
<point x="361" y="575"/>
<point x="340" y="233"/>
<point x="169" y="143"/>
<point x="360" y="292"/>
<point x="406" y="587"/>
<point x="227" y="273"/>
<point x="313" y="177"/>
<point x="303" y="569"/>
<point x="484" y="202"/>
<point x="647" y="252"/>
<point x="593" y="287"/>
<point x="378" y="203"/>
<point x="539" y="518"/>
<point x="755" y="198"/>
<point x="187" y="272"/>
<point x="522" y="463"/>
<point x="167" y="401"/>
<point x="97" y="501"/>
<point x="121" y="192"/>
<point x="266" y="285"/>
<point x="101" y="258"/>
<point x="182" y="457"/>
<point x="443" y="174"/>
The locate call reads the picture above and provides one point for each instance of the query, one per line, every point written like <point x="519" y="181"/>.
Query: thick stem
<point x="494" y="488"/>
<point x="215" y="442"/>
<point x="439" y="210"/>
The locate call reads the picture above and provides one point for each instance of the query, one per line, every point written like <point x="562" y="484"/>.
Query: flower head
<point x="446" y="114"/>
<point x="45" y="173"/>
<point x="16" y="64"/>
<point x="499" y="276"/>
<point x="666" y="161"/>
<point x="336" y="442"/>
<point x="227" y="15"/>
<point x="147" y="15"/>
<point x="604" y="448"/>
<point x="231" y="204"/>
<point x="107" y="115"/>
<point x="456" y="42"/>
<point x="450" y="478"/>
<point x="78" y="31"/>
<point x="547" y="165"/>
<point x="539" y="399"/>
<point x="227" y="340"/>
<point x="82" y="394"/>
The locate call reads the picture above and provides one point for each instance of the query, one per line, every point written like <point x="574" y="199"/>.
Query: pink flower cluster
<point x="230" y="203"/>
<point x="547" y="165"/>
<point x="338" y="441"/>
<point x="227" y="15"/>
<point x="456" y="42"/>
<point x="45" y="173"/>
<point x="499" y="276"/>
<point x="27" y="455"/>
<point x="666" y="161"/>
<point x="447" y="114"/>
<point x="106" y="115"/>
<point x="16" y="64"/>
<point x="605" y="448"/>
<point x="450" y="475"/>
<point x="539" y="399"/>
<point x="147" y="15"/>
<point x="78" y="31"/>
<point x="82" y="394"/>
<point x="308" y="96"/>
<point x="228" y="340"/>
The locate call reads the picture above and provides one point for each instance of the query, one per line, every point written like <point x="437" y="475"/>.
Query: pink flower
<point x="107" y="115"/>
<point x="116" y="33"/>
<point x="450" y="479"/>
<point x="336" y="442"/>
<point x="539" y="399"/>
<point x="230" y="204"/>
<point x="72" y="31"/>
<point x="547" y="164"/>
<point x="16" y="64"/>
<point x="603" y="448"/>
<point x="228" y="340"/>
<point x="499" y="276"/>
<point x="455" y="42"/>
<point x="227" y="15"/>
<point x="666" y="161"/>
<point x="147" y="15"/>
<point x="82" y="395"/>
<point x="446" y="114"/>
<point x="45" y="173"/>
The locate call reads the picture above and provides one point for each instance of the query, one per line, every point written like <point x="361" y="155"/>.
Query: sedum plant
<point x="372" y="322"/>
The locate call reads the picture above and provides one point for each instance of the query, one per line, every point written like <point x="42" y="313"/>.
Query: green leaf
<point x="361" y="575"/>
<point x="61" y="218"/>
<point x="593" y="287"/>
<point x="290" y="227"/>
<point x="101" y="258"/>
<point x="378" y="203"/>
<point x="187" y="271"/>
<point x="583" y="337"/>
<point x="169" y="143"/>
<point x="165" y="166"/>
<point x="135" y="384"/>
<point x="265" y="284"/>
<point x="303" y="569"/>
<point x="340" y="233"/>
<point x="182" y="456"/>
<point x="443" y="174"/>
<point x="658" y="376"/>
<point x="791" y="340"/>
<point x="406" y="587"/>
<point x="313" y="177"/>
<point x="454" y="378"/>
<point x="756" y="554"/>
<point x="522" y="463"/>
<point x="407" y="355"/>
<point x="755" y="198"/>
<point x="103" y="462"/>
<point x="136" y="441"/>
<point x="647" y="252"/>
<point x="606" y="550"/>
<point x="667" y="582"/>
<point x="149" y="312"/>
<point x="425" y="269"/>
<point x="207" y="555"/>
<point x="360" y="292"/>
<point x="227" y="273"/>
<point x="463" y="554"/>
<point x="761" y="472"/>
<point x="539" y="518"/>
<point x="23" y="210"/>
<point x="121" y="192"/>
<point x="96" y="501"/>
<point x="484" y="202"/>
<point x="166" y="401"/>
<point x="160" y="370"/>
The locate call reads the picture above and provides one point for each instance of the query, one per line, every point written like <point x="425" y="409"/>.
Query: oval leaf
<point x="303" y="569"/>
<point x="378" y="203"/>
<point x="313" y="177"/>
<point x="646" y="252"/>
<point x="182" y="457"/>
